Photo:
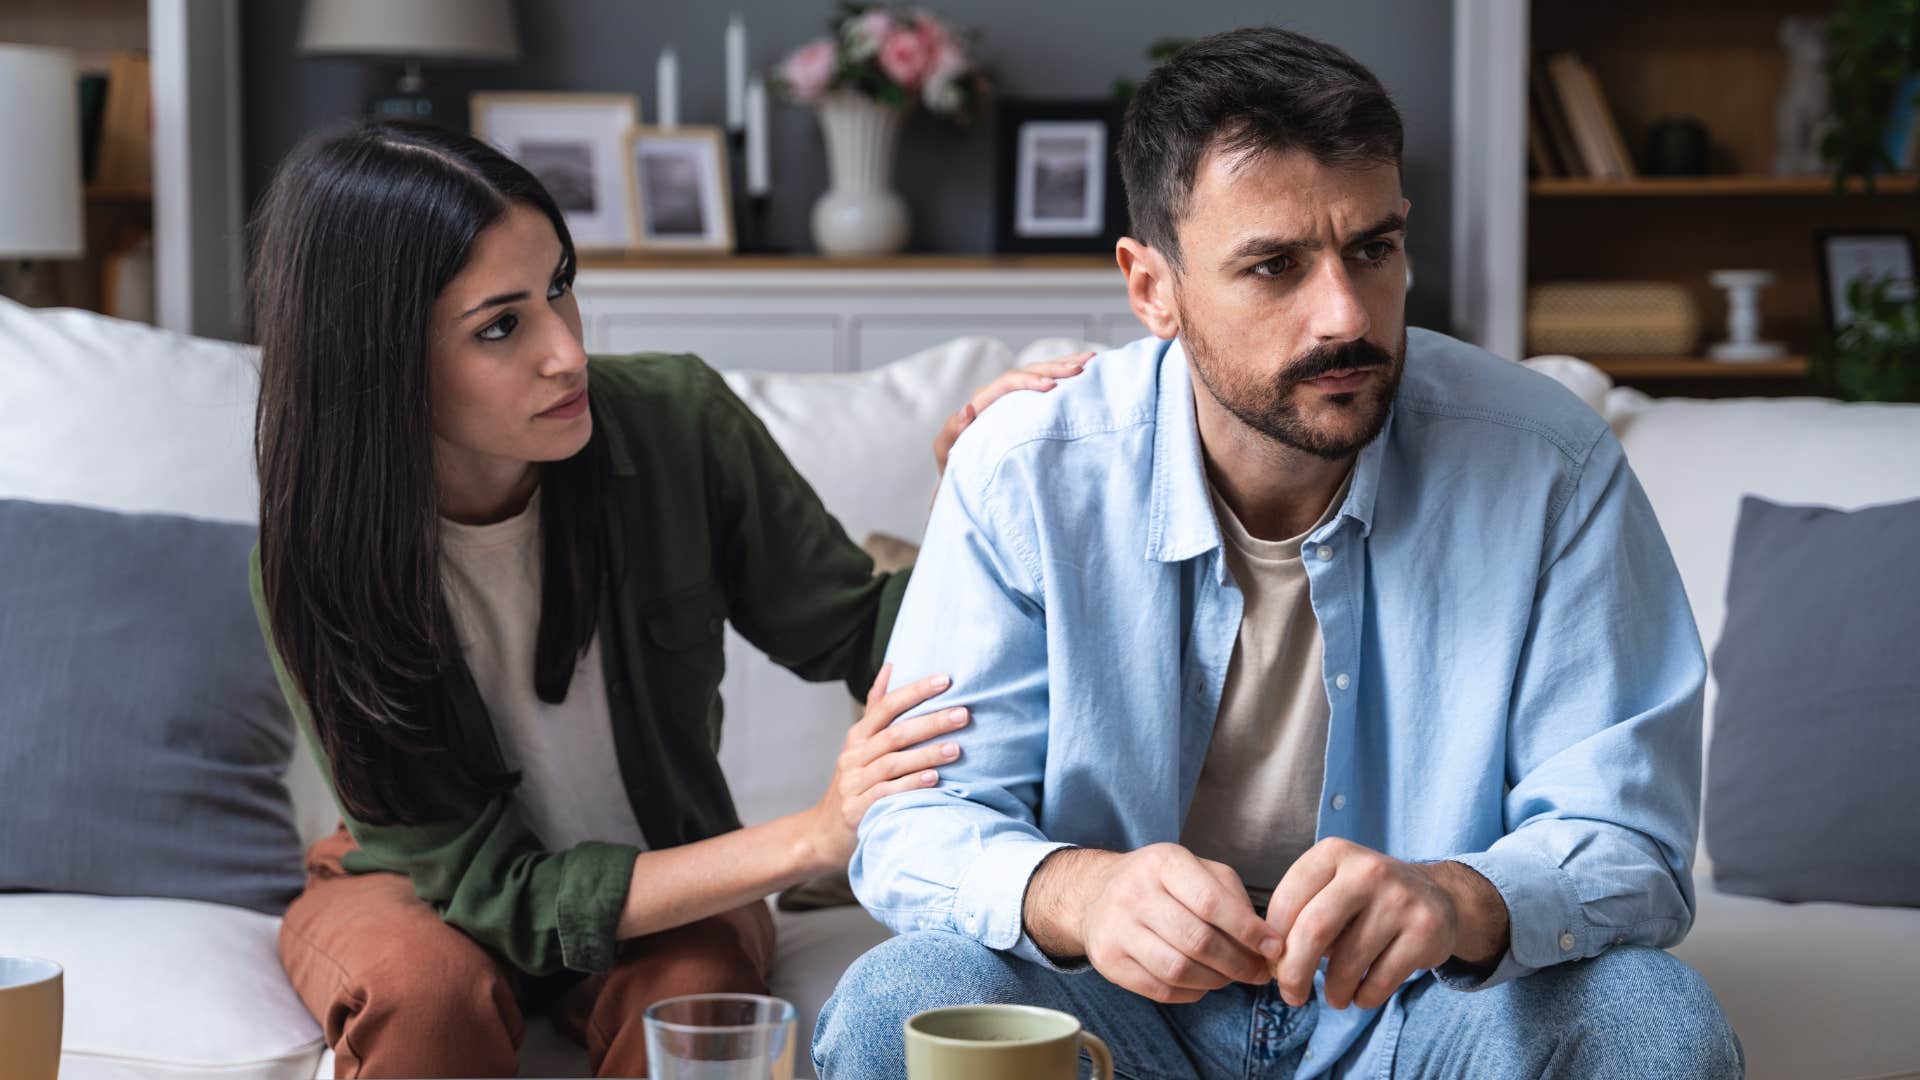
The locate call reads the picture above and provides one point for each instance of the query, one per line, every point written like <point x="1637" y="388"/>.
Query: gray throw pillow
<point x="1811" y="777"/>
<point x="142" y="735"/>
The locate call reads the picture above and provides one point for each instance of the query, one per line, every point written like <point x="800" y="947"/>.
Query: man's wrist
<point x="1482" y="932"/>
<point x="1053" y="912"/>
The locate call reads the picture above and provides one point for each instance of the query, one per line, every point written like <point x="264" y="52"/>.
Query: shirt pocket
<point x="686" y="627"/>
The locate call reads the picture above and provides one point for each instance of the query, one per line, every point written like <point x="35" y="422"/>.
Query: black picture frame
<point x="1826" y="251"/>
<point x="1026" y="227"/>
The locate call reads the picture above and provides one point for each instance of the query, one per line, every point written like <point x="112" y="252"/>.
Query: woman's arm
<point x="675" y="886"/>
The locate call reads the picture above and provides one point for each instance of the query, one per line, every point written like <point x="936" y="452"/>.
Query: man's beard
<point x="1267" y="406"/>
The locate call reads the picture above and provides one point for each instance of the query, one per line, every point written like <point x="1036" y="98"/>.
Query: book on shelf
<point x="1597" y="137"/>
<point x="1545" y="109"/>
<point x="1903" y="125"/>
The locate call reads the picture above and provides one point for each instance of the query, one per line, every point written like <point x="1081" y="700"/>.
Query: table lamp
<point x="410" y="31"/>
<point x="40" y="207"/>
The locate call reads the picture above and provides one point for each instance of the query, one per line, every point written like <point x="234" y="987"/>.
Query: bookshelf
<point x="1720" y="61"/>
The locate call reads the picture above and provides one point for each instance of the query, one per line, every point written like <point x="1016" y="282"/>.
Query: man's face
<point x="1292" y="296"/>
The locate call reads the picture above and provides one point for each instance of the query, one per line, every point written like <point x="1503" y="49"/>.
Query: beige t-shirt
<point x="570" y="790"/>
<point x="1257" y="805"/>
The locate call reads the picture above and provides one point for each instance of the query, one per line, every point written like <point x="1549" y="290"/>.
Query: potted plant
<point x="1876" y="355"/>
<point x="877" y="65"/>
<point x="1871" y="46"/>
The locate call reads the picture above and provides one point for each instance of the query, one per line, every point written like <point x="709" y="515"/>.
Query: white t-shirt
<point x="571" y="790"/>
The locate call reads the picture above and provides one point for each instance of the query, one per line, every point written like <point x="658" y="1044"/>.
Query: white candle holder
<point x="1743" y="344"/>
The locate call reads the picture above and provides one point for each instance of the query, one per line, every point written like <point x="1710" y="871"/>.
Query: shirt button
<point x="1325" y="553"/>
<point x="1339" y="802"/>
<point x="1341" y="682"/>
<point x="1566" y="941"/>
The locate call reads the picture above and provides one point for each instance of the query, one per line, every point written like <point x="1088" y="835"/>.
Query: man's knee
<point x="1644" y="1012"/>
<point x="860" y="1028"/>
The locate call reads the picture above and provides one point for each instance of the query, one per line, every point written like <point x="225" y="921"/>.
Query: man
<point x="1335" y="698"/>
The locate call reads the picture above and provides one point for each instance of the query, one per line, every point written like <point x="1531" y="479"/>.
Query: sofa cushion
<point x="166" y="988"/>
<point x="1816" y="737"/>
<point x="144" y="736"/>
<point x="120" y="415"/>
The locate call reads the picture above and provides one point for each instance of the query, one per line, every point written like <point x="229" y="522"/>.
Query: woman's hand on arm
<point x="1040" y="377"/>
<point x="679" y="885"/>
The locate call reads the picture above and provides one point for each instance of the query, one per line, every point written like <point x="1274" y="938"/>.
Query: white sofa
<point x="120" y="416"/>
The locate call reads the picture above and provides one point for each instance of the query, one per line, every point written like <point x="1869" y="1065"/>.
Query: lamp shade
<point x="40" y="211"/>
<point x="411" y="29"/>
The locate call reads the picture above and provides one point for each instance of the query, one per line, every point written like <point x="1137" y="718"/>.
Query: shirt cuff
<point x="1544" y="919"/>
<point x="990" y="903"/>
<point x="594" y="881"/>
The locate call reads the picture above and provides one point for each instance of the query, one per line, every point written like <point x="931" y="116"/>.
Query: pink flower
<point x="864" y="34"/>
<point x="807" y="71"/>
<point x="905" y="57"/>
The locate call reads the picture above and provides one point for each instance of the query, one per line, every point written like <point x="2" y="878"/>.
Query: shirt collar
<point x="1180" y="521"/>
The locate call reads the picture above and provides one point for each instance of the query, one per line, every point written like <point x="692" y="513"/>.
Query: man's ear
<point x="1149" y="287"/>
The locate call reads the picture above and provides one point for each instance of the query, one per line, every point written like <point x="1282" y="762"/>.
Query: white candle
<point x="736" y="72"/>
<point x="758" y="182"/>
<point x="667" y="88"/>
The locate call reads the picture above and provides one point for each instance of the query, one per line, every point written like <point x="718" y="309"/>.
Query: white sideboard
<point x="809" y="314"/>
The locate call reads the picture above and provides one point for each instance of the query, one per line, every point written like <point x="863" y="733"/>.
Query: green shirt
<point x="706" y="522"/>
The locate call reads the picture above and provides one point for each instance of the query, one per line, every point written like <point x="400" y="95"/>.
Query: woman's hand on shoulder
<point x="1041" y="377"/>
<point x="882" y="758"/>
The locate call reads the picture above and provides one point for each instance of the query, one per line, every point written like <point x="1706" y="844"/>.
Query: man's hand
<point x="1160" y="921"/>
<point x="1378" y="920"/>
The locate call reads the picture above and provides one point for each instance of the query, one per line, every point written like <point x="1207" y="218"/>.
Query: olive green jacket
<point x="706" y="522"/>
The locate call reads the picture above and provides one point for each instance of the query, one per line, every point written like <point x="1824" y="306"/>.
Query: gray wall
<point x="1036" y="48"/>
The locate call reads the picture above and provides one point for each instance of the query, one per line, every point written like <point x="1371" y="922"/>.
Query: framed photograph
<point x="1058" y="177"/>
<point x="1846" y="257"/>
<point x="576" y="144"/>
<point x="681" y="200"/>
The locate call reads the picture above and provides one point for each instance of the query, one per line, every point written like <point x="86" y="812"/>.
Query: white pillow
<point x="122" y="416"/>
<point x="1585" y="380"/>
<point x="864" y="439"/>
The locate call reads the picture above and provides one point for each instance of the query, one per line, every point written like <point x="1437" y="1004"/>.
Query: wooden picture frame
<point x="1057" y="176"/>
<point x="680" y="192"/>
<point x="1842" y="257"/>
<point x="576" y="145"/>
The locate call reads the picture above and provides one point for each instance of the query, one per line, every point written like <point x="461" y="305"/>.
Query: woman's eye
<point x="498" y="329"/>
<point x="1273" y="267"/>
<point x="559" y="288"/>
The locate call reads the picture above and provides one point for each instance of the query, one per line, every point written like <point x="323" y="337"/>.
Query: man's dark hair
<point x="1251" y="91"/>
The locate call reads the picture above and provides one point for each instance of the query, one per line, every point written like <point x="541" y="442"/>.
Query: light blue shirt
<point x="1513" y="673"/>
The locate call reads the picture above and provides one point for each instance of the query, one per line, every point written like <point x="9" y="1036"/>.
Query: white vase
<point x="860" y="214"/>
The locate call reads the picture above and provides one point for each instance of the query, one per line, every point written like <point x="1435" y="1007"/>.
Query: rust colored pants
<point x="398" y="992"/>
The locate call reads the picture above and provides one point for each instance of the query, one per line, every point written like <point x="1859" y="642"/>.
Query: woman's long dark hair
<point x="354" y="241"/>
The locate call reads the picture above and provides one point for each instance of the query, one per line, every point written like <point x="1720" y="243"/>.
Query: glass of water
<point x="720" y="1037"/>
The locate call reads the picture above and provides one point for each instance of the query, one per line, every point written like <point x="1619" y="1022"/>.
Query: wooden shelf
<point x="1666" y="187"/>
<point x="1696" y="367"/>
<point x="613" y="260"/>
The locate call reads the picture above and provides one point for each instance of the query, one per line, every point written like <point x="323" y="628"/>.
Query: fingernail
<point x="957" y="717"/>
<point x="940" y="680"/>
<point x="929" y="777"/>
<point x="1272" y="948"/>
<point x="948" y="750"/>
<point x="1047" y="384"/>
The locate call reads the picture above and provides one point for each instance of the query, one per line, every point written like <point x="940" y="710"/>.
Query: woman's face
<point x="508" y="371"/>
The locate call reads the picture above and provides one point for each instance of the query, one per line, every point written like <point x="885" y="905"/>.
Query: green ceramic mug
<point x="1001" y="1042"/>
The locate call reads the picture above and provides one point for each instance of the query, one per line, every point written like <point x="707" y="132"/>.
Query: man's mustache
<point x="1331" y="358"/>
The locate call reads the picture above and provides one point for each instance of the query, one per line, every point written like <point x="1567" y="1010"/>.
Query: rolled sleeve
<point x="990" y="904"/>
<point x="1543" y="917"/>
<point x="593" y="892"/>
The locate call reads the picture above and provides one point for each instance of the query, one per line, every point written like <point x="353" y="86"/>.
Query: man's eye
<point x="1378" y="250"/>
<point x="498" y="329"/>
<point x="1273" y="267"/>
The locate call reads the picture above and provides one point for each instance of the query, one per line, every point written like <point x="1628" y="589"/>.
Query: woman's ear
<point x="1149" y="287"/>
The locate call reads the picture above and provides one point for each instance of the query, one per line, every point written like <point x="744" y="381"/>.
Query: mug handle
<point x="1097" y="1050"/>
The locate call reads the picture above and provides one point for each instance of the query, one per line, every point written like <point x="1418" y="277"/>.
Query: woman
<point x="494" y="575"/>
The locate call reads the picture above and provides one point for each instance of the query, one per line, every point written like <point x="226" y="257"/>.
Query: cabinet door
<point x="878" y="340"/>
<point x="785" y="343"/>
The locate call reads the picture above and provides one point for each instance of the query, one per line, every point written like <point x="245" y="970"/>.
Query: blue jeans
<point x="1630" y="1013"/>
